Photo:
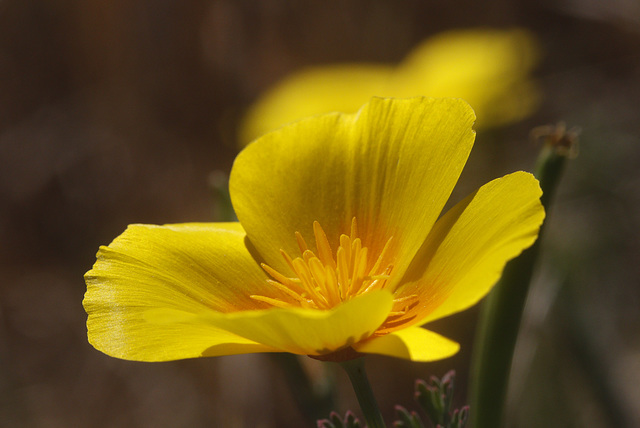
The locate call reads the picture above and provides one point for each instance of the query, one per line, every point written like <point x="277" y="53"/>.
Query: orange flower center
<point x="323" y="281"/>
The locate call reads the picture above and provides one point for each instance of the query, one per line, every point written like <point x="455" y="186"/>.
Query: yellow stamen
<point x="323" y="281"/>
<point x="301" y="243"/>
<point x="322" y="243"/>
<point x="274" y="302"/>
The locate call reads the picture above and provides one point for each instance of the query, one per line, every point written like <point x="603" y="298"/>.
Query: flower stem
<point x="502" y="310"/>
<point x="358" y="377"/>
<point x="315" y="400"/>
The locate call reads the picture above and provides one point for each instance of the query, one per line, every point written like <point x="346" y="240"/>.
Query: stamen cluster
<point x="322" y="281"/>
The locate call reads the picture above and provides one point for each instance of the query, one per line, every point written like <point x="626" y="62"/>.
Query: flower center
<point x="323" y="281"/>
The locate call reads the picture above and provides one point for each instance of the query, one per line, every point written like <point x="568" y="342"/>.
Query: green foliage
<point x="335" y="421"/>
<point x="407" y="419"/>
<point x="435" y="398"/>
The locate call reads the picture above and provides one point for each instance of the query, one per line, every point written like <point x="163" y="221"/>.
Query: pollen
<point x="324" y="279"/>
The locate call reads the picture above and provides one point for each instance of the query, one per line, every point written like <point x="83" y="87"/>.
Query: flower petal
<point x="141" y="334"/>
<point x="309" y="331"/>
<point x="187" y="267"/>
<point x="464" y="255"/>
<point x="392" y="166"/>
<point x="488" y="68"/>
<point x="343" y="88"/>
<point x="414" y="343"/>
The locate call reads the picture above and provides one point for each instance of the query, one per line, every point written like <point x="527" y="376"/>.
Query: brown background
<point x="117" y="112"/>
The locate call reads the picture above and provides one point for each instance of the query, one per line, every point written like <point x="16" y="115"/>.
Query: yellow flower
<point x="487" y="68"/>
<point x="340" y="246"/>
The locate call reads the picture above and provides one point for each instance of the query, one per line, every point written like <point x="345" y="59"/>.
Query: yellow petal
<point x="464" y="255"/>
<point x="335" y="88"/>
<point x="130" y="334"/>
<point x="414" y="343"/>
<point x="487" y="68"/>
<point x="187" y="267"/>
<point x="309" y="331"/>
<point x="392" y="166"/>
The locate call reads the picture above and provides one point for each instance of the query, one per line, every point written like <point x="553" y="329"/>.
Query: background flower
<point x="487" y="68"/>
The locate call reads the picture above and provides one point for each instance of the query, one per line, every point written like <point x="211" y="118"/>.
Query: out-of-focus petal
<point x="333" y="88"/>
<point x="487" y="68"/>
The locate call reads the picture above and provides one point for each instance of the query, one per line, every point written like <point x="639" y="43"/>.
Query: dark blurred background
<point x="118" y="112"/>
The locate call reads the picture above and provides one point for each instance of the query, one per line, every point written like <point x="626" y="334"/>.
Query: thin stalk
<point x="502" y="310"/>
<point x="358" y="377"/>
<point x="314" y="401"/>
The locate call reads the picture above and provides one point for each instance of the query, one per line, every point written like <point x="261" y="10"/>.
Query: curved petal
<point x="309" y="331"/>
<point x="414" y="343"/>
<point x="334" y="88"/>
<point x="184" y="267"/>
<point x="129" y="333"/>
<point x="464" y="255"/>
<point x="392" y="166"/>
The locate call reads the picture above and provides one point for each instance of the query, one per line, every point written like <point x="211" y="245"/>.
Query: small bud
<point x="325" y="423"/>
<point x="449" y="377"/>
<point x="351" y="421"/>
<point x="557" y="137"/>
<point x="336" y="421"/>
<point x="459" y="417"/>
<point x="436" y="398"/>
<point x="407" y="419"/>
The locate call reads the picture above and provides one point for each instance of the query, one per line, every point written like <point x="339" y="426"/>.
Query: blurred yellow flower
<point x="487" y="68"/>
<point x="368" y="188"/>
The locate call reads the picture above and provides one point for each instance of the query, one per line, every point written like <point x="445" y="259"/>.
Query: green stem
<point x="358" y="377"/>
<point x="502" y="310"/>
<point x="314" y="401"/>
